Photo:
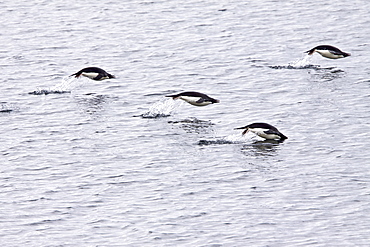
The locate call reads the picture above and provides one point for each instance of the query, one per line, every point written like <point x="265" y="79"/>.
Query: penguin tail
<point x="173" y="96"/>
<point x="310" y="52"/>
<point x="76" y="74"/>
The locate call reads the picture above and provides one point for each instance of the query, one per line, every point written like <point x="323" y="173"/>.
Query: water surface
<point x="115" y="163"/>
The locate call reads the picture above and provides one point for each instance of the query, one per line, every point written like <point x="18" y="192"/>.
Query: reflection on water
<point x="214" y="142"/>
<point x="91" y="104"/>
<point x="194" y="125"/>
<point x="47" y="91"/>
<point x="261" y="148"/>
<point x="328" y="74"/>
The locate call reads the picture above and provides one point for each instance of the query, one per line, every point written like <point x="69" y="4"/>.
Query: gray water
<point x="101" y="165"/>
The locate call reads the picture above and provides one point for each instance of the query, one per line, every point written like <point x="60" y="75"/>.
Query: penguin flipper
<point x="336" y="52"/>
<point x="271" y="132"/>
<point x="98" y="77"/>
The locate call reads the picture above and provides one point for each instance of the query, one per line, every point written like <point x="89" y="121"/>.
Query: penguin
<point x="264" y="130"/>
<point x="328" y="51"/>
<point x="94" y="73"/>
<point x="195" y="98"/>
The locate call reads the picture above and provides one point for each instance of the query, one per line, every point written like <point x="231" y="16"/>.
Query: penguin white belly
<point x="328" y="54"/>
<point x="197" y="101"/>
<point x="90" y="75"/>
<point x="261" y="132"/>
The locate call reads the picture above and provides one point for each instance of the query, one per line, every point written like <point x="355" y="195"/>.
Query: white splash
<point x="162" y="108"/>
<point x="235" y="138"/>
<point x="68" y="83"/>
<point x="302" y="62"/>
